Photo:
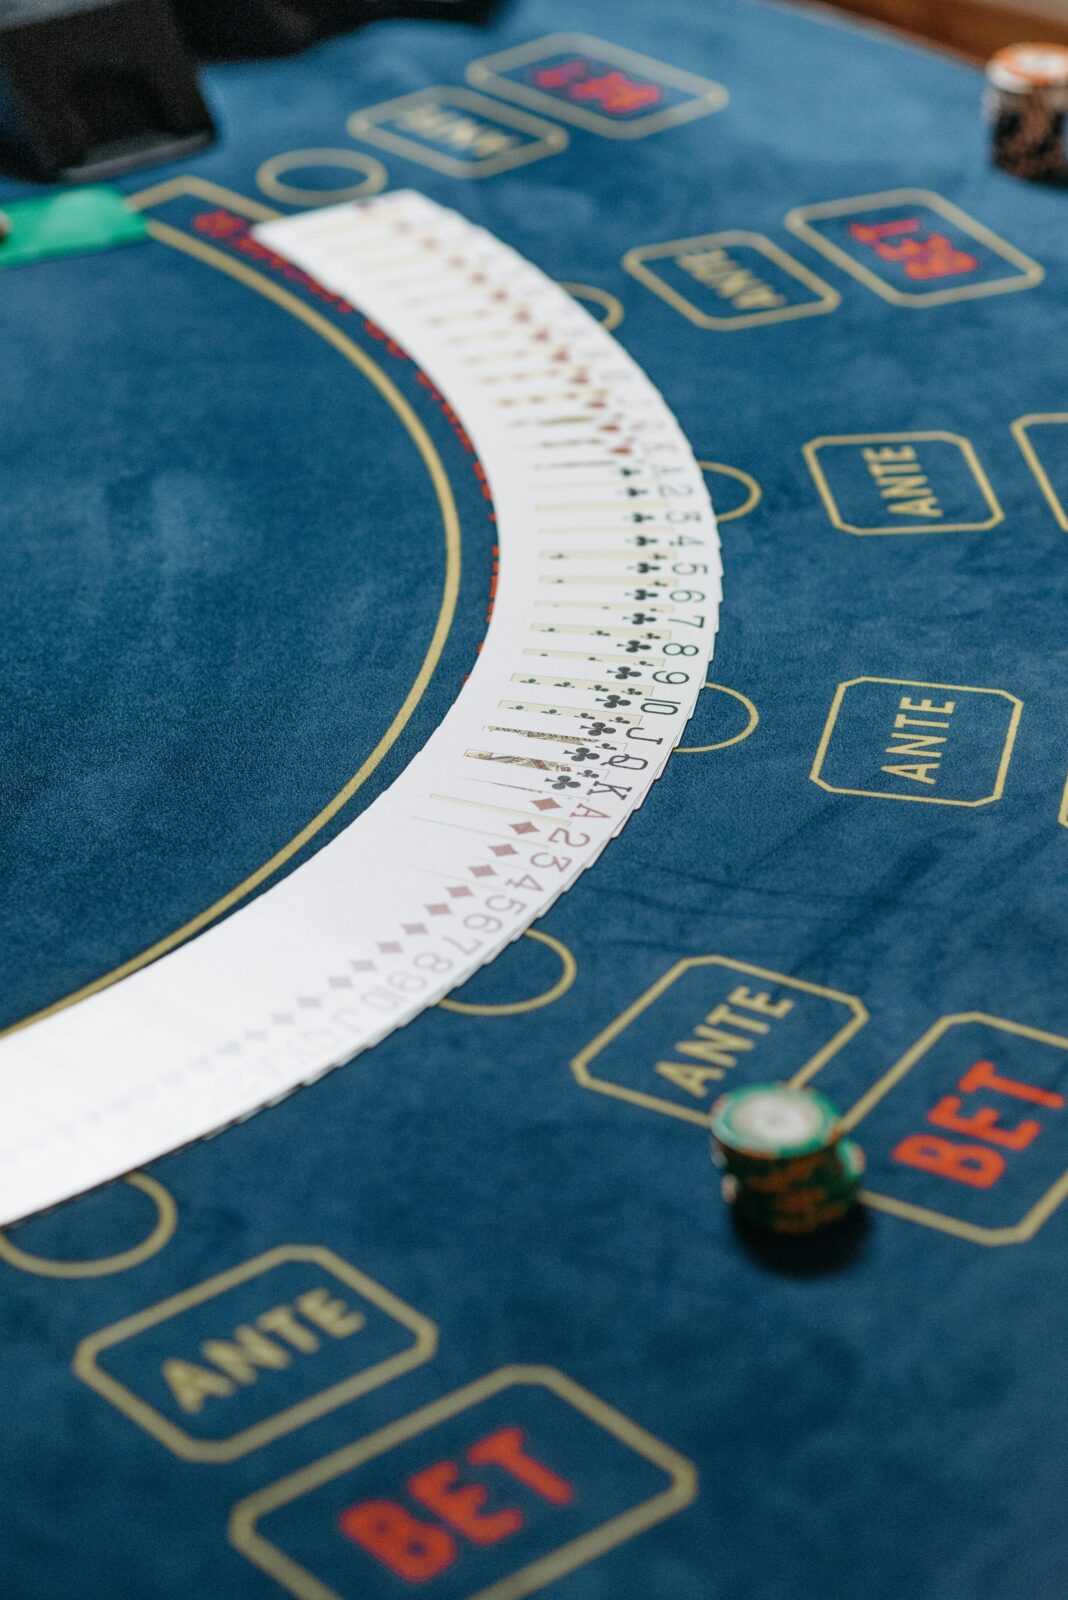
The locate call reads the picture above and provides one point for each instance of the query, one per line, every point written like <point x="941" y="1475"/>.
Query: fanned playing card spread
<point x="603" y="625"/>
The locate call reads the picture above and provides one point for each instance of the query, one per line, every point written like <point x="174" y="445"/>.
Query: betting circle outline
<point x="610" y="304"/>
<point x="294" y="194"/>
<point x="753" y="498"/>
<point x="104" y="1266"/>
<point x="515" y="1008"/>
<point x="725" y="744"/>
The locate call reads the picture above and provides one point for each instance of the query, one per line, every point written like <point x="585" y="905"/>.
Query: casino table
<point x="467" y="1317"/>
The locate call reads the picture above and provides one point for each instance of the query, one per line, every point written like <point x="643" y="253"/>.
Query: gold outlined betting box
<point x="909" y="482"/>
<point x="1035" y="1180"/>
<point x="593" y="1479"/>
<point x="953" y="256"/>
<point x="251" y="1354"/>
<point x="936" y="744"/>
<point x="598" y="85"/>
<point x="1034" y="433"/>
<point x="711" y="1023"/>
<point x="457" y="132"/>
<point x="730" y="280"/>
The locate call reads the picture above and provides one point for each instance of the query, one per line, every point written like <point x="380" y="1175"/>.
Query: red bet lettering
<point x="219" y="224"/>
<point x="872" y="232"/>
<point x="504" y="1449"/>
<point x="558" y="77"/>
<point x="461" y="1507"/>
<point x="974" y="1164"/>
<point x="907" y="249"/>
<point x="983" y="1124"/>
<point x="938" y="258"/>
<point x="616" y="92"/>
<point x="983" y="1076"/>
<point x="412" y="1549"/>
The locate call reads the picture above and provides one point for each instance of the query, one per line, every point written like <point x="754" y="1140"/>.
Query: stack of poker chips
<point x="786" y="1166"/>
<point x="1026" y="103"/>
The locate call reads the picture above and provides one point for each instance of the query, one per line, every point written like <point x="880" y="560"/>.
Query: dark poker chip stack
<point x="787" y="1168"/>
<point x="1026" y="104"/>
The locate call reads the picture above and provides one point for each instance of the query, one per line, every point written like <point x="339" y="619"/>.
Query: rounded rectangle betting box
<point x="929" y="481"/>
<point x="939" y="744"/>
<point x="711" y="1023"/>
<point x="251" y="1354"/>
<point x="489" y="1493"/>
<point x="730" y="280"/>
<point x="597" y="85"/>
<point x="1043" y="439"/>
<point x="457" y="132"/>
<point x="968" y="1132"/>
<point x="914" y="248"/>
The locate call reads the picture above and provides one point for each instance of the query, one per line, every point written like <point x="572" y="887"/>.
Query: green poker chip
<point x="71" y="222"/>
<point x="786" y="1167"/>
<point x="773" y="1122"/>
<point x="852" y="1162"/>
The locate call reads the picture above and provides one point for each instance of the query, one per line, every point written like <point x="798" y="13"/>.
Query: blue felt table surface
<point x="223" y="562"/>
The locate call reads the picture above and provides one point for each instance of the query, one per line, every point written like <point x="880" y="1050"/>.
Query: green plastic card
<point x="68" y="224"/>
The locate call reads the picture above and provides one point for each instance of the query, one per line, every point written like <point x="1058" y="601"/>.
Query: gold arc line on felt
<point x="375" y="176"/>
<point x="451" y="524"/>
<point x="103" y="1266"/>
<point x="752" y="500"/>
<point x="515" y="1008"/>
<point x="1062" y="813"/>
<point x="725" y="744"/>
<point x="610" y="304"/>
